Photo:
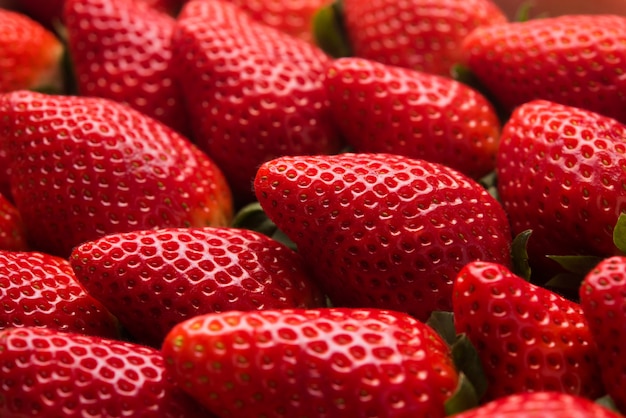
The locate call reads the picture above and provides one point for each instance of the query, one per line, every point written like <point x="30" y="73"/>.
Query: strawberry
<point x="30" y="55"/>
<point x="424" y="35"/>
<point x="574" y="60"/>
<point x="528" y="338"/>
<point x="253" y="93"/>
<point x="561" y="174"/>
<point x="47" y="373"/>
<point x="41" y="290"/>
<point x="381" y="230"/>
<point x="603" y="299"/>
<point x="121" y="50"/>
<point x="154" y="279"/>
<point x="540" y="405"/>
<point x="380" y="108"/>
<point x="318" y="362"/>
<point x="84" y="167"/>
<point x="12" y="233"/>
<point x="293" y="17"/>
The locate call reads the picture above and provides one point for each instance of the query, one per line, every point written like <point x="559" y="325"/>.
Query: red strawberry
<point x="322" y="363"/>
<point x="293" y="17"/>
<point x="528" y="338"/>
<point x="85" y="167"/>
<point x="424" y="35"/>
<point x="30" y="55"/>
<point x="121" y="50"/>
<point x="382" y="230"/>
<point x="253" y="92"/>
<point x="603" y="299"/>
<point x="380" y="108"/>
<point x="561" y="174"/>
<point x="12" y="233"/>
<point x="40" y="290"/>
<point x="574" y="60"/>
<point x="154" y="279"/>
<point x="540" y="405"/>
<point x="46" y="373"/>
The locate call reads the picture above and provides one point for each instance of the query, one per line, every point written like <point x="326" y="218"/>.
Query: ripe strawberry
<point x="603" y="299"/>
<point x="540" y="405"/>
<point x="382" y="230"/>
<point x="154" y="279"/>
<point x="121" y="50"/>
<point x="424" y="35"/>
<point x="574" y="60"/>
<point x="321" y="363"/>
<point x="381" y="108"/>
<point x="85" y="167"/>
<point x="561" y="174"/>
<point x="46" y="373"/>
<point x="253" y="92"/>
<point x="528" y="338"/>
<point x="12" y="233"/>
<point x="40" y="290"/>
<point x="293" y="17"/>
<point x="30" y="55"/>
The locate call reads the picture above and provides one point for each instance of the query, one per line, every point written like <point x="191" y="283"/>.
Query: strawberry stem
<point x="329" y="30"/>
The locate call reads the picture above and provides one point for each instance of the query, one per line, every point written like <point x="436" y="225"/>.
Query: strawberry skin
<point x="561" y="174"/>
<point x="603" y="299"/>
<point x="41" y="290"/>
<point x="293" y="17"/>
<point x="317" y="363"/>
<point x="47" y="373"/>
<point x="253" y="93"/>
<point x="154" y="279"/>
<point x="121" y="50"/>
<point x="12" y="232"/>
<point x="380" y="108"/>
<point x="528" y="338"/>
<point x="574" y="60"/>
<point x="540" y="405"/>
<point x="30" y="55"/>
<point x="383" y="230"/>
<point x="424" y="35"/>
<point x="84" y="167"/>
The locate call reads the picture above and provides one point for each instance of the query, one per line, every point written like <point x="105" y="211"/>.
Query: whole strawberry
<point x="561" y="174"/>
<point x="253" y="92"/>
<point x="41" y="290"/>
<point x="154" y="279"/>
<point x="603" y="299"/>
<point x="47" y="373"/>
<point x="575" y="60"/>
<point x="380" y="108"/>
<point x="528" y="338"/>
<point x="30" y="55"/>
<point x="424" y="35"/>
<point x="540" y="405"/>
<point x="85" y="167"/>
<point x="381" y="230"/>
<point x="315" y="363"/>
<point x="122" y="50"/>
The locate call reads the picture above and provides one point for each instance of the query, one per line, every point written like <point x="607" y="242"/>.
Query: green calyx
<point x="329" y="30"/>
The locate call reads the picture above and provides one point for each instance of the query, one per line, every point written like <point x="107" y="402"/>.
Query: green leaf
<point x="563" y="282"/>
<point x="329" y="30"/>
<point x="519" y="254"/>
<point x="463" y="398"/>
<point x="467" y="361"/>
<point x="607" y="402"/>
<point x="443" y="323"/>
<point x="253" y="217"/>
<point x="577" y="264"/>
<point x="619" y="233"/>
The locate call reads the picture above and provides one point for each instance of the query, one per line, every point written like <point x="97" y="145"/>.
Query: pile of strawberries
<point x="240" y="209"/>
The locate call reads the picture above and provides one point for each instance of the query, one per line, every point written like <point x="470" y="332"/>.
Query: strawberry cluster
<point x="228" y="208"/>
